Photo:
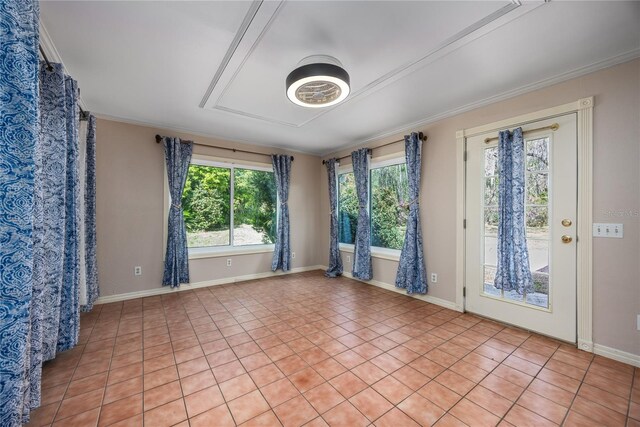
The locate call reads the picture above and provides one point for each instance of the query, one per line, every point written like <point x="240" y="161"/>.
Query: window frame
<point x="380" y="162"/>
<point x="221" y="250"/>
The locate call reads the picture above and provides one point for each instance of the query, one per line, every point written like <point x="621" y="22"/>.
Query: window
<point x="212" y="220"/>
<point x="389" y="205"/>
<point x="536" y="217"/>
<point x="205" y="206"/>
<point x="347" y="208"/>
<point x="254" y="207"/>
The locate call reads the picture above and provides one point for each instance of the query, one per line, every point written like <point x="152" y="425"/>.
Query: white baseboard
<point x="427" y="298"/>
<point x="601" y="350"/>
<point x="619" y="355"/>
<point x="189" y="286"/>
<point x="611" y="353"/>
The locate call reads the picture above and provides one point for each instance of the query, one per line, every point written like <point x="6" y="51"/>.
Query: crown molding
<point x="179" y="129"/>
<point x="541" y="84"/>
<point x="49" y="47"/>
<point x="53" y="55"/>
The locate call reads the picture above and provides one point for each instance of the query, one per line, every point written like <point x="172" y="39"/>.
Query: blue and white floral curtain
<point x="362" y="251"/>
<point x="177" y="156"/>
<point x="335" y="260"/>
<point x="56" y="274"/>
<point x="19" y="106"/>
<point x="69" y="320"/>
<point x="513" y="272"/>
<point x="412" y="274"/>
<point x="90" y="259"/>
<point x="282" y="252"/>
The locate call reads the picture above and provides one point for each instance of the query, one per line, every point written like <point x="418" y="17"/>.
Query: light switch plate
<point x="608" y="230"/>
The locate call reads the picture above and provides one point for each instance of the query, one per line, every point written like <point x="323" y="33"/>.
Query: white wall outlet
<point x="608" y="230"/>
<point x="293" y="254"/>
<point x="348" y="258"/>
<point x="228" y="262"/>
<point x="434" y="277"/>
<point x="137" y="270"/>
<point x="638" y="322"/>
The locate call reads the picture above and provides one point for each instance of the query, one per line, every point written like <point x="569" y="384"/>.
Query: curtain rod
<point x="553" y="126"/>
<point x="83" y="114"/>
<point x="235" y="150"/>
<point x="421" y="136"/>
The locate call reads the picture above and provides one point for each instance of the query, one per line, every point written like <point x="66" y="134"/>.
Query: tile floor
<point x="305" y="350"/>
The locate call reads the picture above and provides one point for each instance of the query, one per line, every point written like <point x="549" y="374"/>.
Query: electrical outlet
<point x="434" y="277"/>
<point x="293" y="254"/>
<point x="137" y="270"/>
<point x="638" y="322"/>
<point x="228" y="262"/>
<point x="348" y="258"/>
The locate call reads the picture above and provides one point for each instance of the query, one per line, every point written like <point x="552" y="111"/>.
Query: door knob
<point x="566" y="239"/>
<point x="566" y="222"/>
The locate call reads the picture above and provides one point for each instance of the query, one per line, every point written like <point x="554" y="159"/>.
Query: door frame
<point x="584" y="291"/>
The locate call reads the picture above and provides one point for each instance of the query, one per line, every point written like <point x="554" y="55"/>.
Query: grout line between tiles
<point x="231" y="304"/>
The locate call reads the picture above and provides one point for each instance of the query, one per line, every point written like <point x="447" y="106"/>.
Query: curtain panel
<point x="18" y="135"/>
<point x="55" y="318"/>
<point x="335" y="260"/>
<point x="362" y="251"/>
<point x="177" y="156"/>
<point x="90" y="244"/>
<point x="513" y="272"/>
<point x="82" y="158"/>
<point x="412" y="274"/>
<point x="69" y="321"/>
<point x="282" y="252"/>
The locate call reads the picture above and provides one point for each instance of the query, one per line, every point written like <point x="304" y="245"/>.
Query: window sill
<point x="382" y="253"/>
<point x="200" y="253"/>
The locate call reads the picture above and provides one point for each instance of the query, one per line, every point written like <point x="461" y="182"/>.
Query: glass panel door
<point x="537" y="222"/>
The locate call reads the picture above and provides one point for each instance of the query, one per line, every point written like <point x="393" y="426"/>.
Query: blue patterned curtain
<point x="362" y="252"/>
<point x="18" y="135"/>
<point x="282" y="252"/>
<point x="412" y="274"/>
<point x="90" y="259"/>
<point x="69" y="325"/>
<point x="177" y="155"/>
<point x="513" y="272"/>
<point x="57" y="211"/>
<point x="335" y="260"/>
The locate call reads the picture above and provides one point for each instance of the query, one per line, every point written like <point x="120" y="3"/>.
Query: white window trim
<point x="376" y="251"/>
<point x="222" y="250"/>
<point x="380" y="162"/>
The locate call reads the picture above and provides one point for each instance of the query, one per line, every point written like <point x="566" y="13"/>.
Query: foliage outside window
<point x="536" y="218"/>
<point x="389" y="206"/>
<point x="347" y="208"/>
<point x="389" y="192"/>
<point x="206" y="205"/>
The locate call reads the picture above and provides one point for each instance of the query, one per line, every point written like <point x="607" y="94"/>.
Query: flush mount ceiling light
<point x="319" y="81"/>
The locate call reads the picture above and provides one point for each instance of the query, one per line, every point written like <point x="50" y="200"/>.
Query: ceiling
<point x="218" y="68"/>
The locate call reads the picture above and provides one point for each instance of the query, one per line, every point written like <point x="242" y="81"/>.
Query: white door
<point x="550" y="212"/>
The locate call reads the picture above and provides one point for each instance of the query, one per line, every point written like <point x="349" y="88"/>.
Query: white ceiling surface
<point x="409" y="62"/>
